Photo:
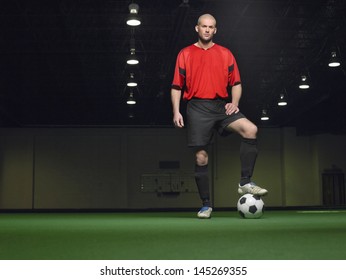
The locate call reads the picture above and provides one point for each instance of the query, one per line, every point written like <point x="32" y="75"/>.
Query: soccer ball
<point x="250" y="206"/>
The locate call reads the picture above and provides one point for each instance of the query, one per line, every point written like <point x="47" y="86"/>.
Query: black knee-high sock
<point x="248" y="155"/>
<point x="202" y="181"/>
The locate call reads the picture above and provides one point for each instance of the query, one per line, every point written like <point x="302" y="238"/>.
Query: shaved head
<point x="206" y="16"/>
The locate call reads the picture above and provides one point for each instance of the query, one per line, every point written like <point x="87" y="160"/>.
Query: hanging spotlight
<point x="303" y="83"/>
<point x="334" y="61"/>
<point x="264" y="116"/>
<point x="131" y="115"/>
<point x="133" y="19"/>
<point x="282" y="100"/>
<point x="131" y="100"/>
<point x="132" y="59"/>
<point x="131" y="81"/>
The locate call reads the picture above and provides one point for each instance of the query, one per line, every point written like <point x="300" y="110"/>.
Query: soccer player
<point x="203" y="73"/>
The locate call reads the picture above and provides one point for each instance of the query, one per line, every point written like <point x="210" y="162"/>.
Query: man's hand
<point x="231" y="108"/>
<point x="178" y="120"/>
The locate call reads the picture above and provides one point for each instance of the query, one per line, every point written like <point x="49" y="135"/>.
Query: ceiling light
<point x="131" y="81"/>
<point x="132" y="59"/>
<point x="131" y="100"/>
<point x="131" y="115"/>
<point x="282" y="100"/>
<point x="264" y="116"/>
<point x="133" y="19"/>
<point x="303" y="83"/>
<point x="334" y="61"/>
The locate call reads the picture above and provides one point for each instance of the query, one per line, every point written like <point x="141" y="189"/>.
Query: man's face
<point x="206" y="29"/>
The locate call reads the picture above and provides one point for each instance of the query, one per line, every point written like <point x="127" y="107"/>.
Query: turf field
<point x="281" y="235"/>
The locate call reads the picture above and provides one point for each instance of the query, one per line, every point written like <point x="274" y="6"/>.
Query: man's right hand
<point x="178" y="120"/>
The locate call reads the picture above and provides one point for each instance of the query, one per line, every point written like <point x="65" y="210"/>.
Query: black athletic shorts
<point x="204" y="116"/>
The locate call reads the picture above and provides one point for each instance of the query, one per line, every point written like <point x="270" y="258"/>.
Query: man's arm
<point x="236" y="95"/>
<point x="177" y="117"/>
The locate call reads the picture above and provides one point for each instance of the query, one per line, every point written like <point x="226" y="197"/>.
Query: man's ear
<point x="196" y="28"/>
<point x="215" y="30"/>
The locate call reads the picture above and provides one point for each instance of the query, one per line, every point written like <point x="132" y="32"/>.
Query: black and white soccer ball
<point x="250" y="206"/>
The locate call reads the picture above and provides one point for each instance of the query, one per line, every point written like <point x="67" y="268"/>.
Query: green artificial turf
<point x="278" y="235"/>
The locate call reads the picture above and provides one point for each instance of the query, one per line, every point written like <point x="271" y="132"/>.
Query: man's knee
<point x="201" y="157"/>
<point x="252" y="131"/>
<point x="249" y="130"/>
<point x="244" y="127"/>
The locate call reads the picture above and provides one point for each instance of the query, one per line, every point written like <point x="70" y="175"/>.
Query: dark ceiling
<point x="63" y="61"/>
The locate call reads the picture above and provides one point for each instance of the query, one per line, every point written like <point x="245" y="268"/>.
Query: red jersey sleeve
<point x="233" y="72"/>
<point x="179" y="72"/>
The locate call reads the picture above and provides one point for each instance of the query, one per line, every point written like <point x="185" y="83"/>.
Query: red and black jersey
<point x="205" y="73"/>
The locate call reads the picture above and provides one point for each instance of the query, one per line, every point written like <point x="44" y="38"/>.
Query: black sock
<point x="202" y="181"/>
<point x="248" y="155"/>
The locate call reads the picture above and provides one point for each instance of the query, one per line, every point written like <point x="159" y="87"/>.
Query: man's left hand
<point x="231" y="108"/>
